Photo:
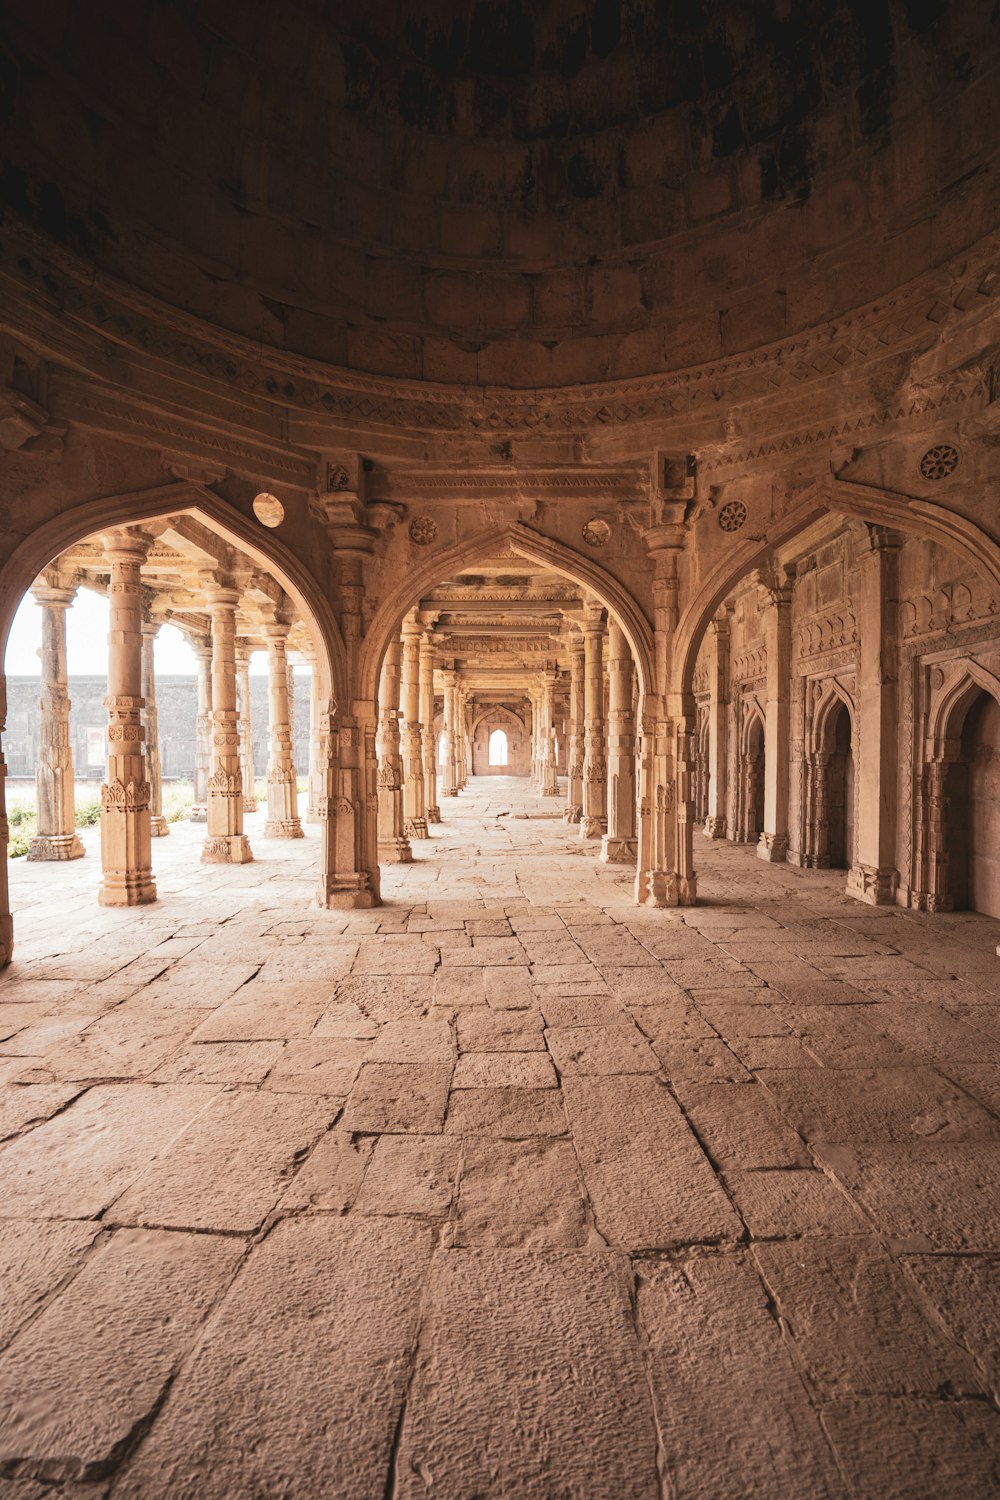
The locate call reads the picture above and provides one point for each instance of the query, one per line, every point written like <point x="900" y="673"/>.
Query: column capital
<point x="53" y="596"/>
<point x="411" y="628"/>
<point x="594" y="622"/>
<point x="220" y="595"/>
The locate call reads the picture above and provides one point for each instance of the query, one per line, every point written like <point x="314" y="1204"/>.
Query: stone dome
<point x="501" y="192"/>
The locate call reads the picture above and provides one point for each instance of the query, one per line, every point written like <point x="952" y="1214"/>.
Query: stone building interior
<point x="519" y="1012"/>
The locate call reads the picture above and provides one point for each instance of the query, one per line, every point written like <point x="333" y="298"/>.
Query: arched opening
<point x="840" y="794"/>
<point x="511" y="633"/>
<point x="972" y="817"/>
<point x="181" y="562"/>
<point x="498" y="748"/>
<point x="752" y="782"/>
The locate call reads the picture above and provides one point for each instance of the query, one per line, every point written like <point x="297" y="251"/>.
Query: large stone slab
<point x="267" y="1012"/>
<point x="740" y="1126"/>
<point x="520" y="1070"/>
<point x="230" y="1168"/>
<point x="964" y="1292"/>
<point x="126" y="1320"/>
<point x="649" y="1181"/>
<point x="528" y="1383"/>
<point x="22" y="1105"/>
<point x="929" y="1195"/>
<point x="78" y="1163"/>
<point x="410" y="1174"/>
<point x="733" y="1414"/>
<point x="877" y="1104"/>
<point x="35" y="1256"/>
<point x="407" y="1097"/>
<point x="523" y="1193"/>
<point x="510" y="1113"/>
<point x="783" y="1204"/>
<point x="298" y="1383"/>
<point x="601" y="1049"/>
<point x="916" y="1450"/>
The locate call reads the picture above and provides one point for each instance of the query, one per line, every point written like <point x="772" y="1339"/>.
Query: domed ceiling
<point x="504" y="192"/>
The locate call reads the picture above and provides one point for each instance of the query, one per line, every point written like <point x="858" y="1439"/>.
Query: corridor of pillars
<point x="213" y="619"/>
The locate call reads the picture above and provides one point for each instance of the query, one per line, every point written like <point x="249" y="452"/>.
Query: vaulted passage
<point x="359" y="1166"/>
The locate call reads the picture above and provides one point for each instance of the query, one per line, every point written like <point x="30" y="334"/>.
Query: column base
<point x="348" y="893"/>
<point x="873" y="885"/>
<point x="127" y="888"/>
<point x="158" y="826"/>
<point x="715" y="828"/>
<point x="6" y="939"/>
<point x="656" y="888"/>
<point x="283" y="828"/>
<point x="313" y="817"/>
<point x="593" y="828"/>
<point x="416" y="828"/>
<point x="550" y="791"/>
<point x="573" y="814"/>
<point x="616" y="851"/>
<point x="395" y="852"/>
<point x="773" y="847"/>
<point x="250" y="804"/>
<point x="434" y="814"/>
<point x="226" y="849"/>
<point x="198" y="813"/>
<point x="449" y="791"/>
<point x="55" y="846"/>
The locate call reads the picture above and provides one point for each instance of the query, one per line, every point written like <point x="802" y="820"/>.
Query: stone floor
<point x="506" y="1189"/>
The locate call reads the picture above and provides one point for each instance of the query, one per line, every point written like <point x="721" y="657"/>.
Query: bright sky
<point x="87" y="642"/>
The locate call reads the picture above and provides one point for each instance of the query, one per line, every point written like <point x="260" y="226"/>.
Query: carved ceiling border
<point x="132" y="319"/>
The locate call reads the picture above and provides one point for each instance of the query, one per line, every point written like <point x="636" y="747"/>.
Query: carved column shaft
<point x="777" y="612"/>
<point x="158" y="825"/>
<point x="718" y="727"/>
<point x="411" y="745"/>
<point x="449" y="785"/>
<point x="594" y="821"/>
<point x="574" y="764"/>
<point x="55" y="794"/>
<point x="125" y="837"/>
<point x="203" y="732"/>
<point x="874" y="877"/>
<point x="393" y="844"/>
<point x="619" y="845"/>
<point x="6" y="919"/>
<point x="225" y="841"/>
<point x="282" y="795"/>
<point x="243" y="654"/>
<point x="548" y="776"/>
<point x="315" y="713"/>
<point x="429" y="738"/>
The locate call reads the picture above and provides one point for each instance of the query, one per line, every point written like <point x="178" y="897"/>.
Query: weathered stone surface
<point x="856" y="1325"/>
<point x="783" y="1204"/>
<point x="317" y="1065"/>
<point x="121" y="1045"/>
<point x="29" y="1104"/>
<point x="600" y="1049"/>
<point x="511" y="1113"/>
<point x="229" y="1169"/>
<point x="478" y="1423"/>
<point x="929" y="1195"/>
<point x="916" y="1450"/>
<point x="406" y="1097"/>
<point x="500" y="1031"/>
<point x="423" y="1040"/>
<point x="220" y="1062"/>
<point x="524" y="1194"/>
<point x="329" y="1179"/>
<point x="410" y="1175"/>
<point x="269" y="1394"/>
<point x="629" y="1131"/>
<point x="760" y="1435"/>
<point x="266" y="1012"/>
<point x="517" y="1070"/>
<point x="699" y="1060"/>
<point x="965" y="1295"/>
<point x="391" y="954"/>
<point x="76" y="1164"/>
<point x="128" y="1317"/>
<point x="739" y="1126"/>
<point x="877" y="1104"/>
<point x="35" y="1257"/>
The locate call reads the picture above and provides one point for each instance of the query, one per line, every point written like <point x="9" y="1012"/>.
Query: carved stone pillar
<point x="158" y="825"/>
<point x="6" y="920"/>
<point x="393" y="844"/>
<point x="776" y="604"/>
<point x="203" y="732"/>
<point x="574" y="769"/>
<point x="718" y="725"/>
<point x="619" y="845"/>
<point x="411" y="743"/>
<point x="55" y="797"/>
<point x="873" y="877"/>
<point x="290" y="672"/>
<point x="127" y="878"/>
<point x="247" y="776"/>
<point x="461" y="752"/>
<point x="469" y="719"/>
<point x="449" y="785"/>
<point x="315" y="713"/>
<point x="548" y="776"/>
<point x="282" y="795"/>
<point x="428" y="737"/>
<point x="594" y="821"/>
<point x="225" y="841"/>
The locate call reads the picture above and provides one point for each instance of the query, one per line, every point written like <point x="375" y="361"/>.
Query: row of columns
<point x="601" y="779"/>
<point x="131" y="797"/>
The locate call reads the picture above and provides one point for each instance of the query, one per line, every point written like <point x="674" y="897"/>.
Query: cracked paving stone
<point x="302" y="1371"/>
<point x="332" y="1174"/>
<point x="929" y="1195"/>
<point x="520" y="1070"/>
<point x="650" y="1183"/>
<point x="30" y="1104"/>
<point x="783" y="1204"/>
<point x="524" y="1194"/>
<point x="128" y="1317"/>
<point x="965" y="1294"/>
<point x="601" y="1049"/>
<point x="917" y="1450"/>
<point x="877" y="1104"/>
<point x="760" y="1436"/>
<point x="410" y="1175"/>
<point x="407" y="1097"/>
<point x="230" y="1166"/>
<point x="509" y="1113"/>
<point x="528" y="1383"/>
<point x="500" y="1031"/>
<point x="35" y="1256"/>
<point x="740" y="1126"/>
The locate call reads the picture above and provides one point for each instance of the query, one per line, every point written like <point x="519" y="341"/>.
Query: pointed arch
<point x="950" y="712"/>
<point x="533" y="547"/>
<point x="834" y="697"/>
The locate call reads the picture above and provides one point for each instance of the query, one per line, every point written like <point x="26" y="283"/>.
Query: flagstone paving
<point x="507" y="1188"/>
